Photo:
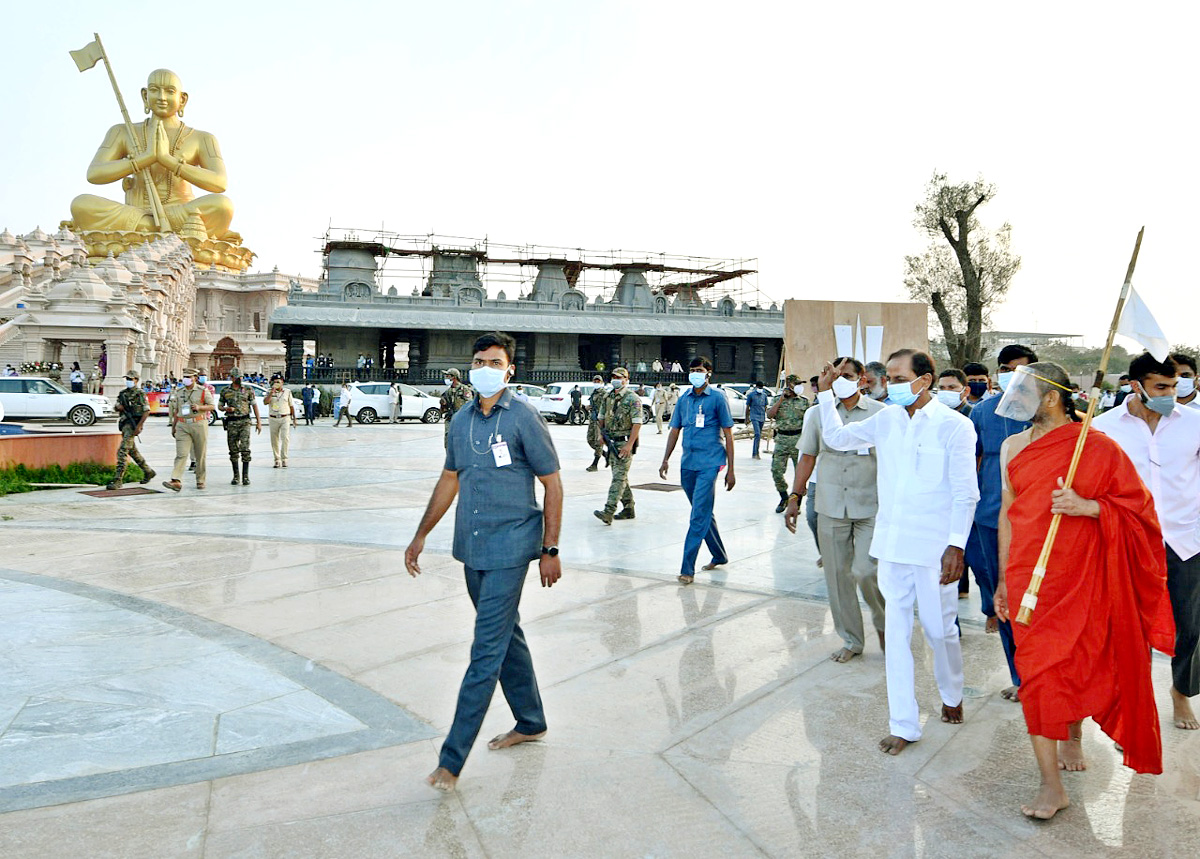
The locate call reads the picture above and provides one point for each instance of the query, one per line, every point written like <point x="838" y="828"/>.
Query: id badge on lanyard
<point x="500" y="453"/>
<point x="700" y="419"/>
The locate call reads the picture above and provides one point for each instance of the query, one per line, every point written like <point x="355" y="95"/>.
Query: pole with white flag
<point x="1119" y="323"/>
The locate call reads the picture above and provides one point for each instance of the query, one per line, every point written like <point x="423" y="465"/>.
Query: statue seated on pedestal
<point x="176" y="157"/>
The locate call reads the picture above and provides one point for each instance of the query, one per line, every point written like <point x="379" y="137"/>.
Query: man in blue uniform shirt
<point x="983" y="546"/>
<point x="496" y="446"/>
<point x="702" y="415"/>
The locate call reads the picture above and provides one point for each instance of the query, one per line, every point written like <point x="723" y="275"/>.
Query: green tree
<point x="966" y="269"/>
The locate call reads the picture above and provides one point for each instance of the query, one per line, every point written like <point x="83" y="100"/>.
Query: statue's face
<point x="164" y="94"/>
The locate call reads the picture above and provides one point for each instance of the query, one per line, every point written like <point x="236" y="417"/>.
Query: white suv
<point x="38" y="397"/>
<point x="370" y="404"/>
<point x="555" y="404"/>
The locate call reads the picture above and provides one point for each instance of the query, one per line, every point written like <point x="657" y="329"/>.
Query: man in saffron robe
<point x="1103" y="603"/>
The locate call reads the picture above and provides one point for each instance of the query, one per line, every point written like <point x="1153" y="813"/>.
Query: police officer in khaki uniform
<point x="237" y="401"/>
<point x="620" y="423"/>
<point x="187" y="411"/>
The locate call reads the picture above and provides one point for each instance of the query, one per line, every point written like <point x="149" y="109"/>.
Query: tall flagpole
<point x="1029" y="600"/>
<point x="156" y="207"/>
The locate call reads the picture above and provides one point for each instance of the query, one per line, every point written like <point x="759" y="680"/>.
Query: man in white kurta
<point x="927" y="495"/>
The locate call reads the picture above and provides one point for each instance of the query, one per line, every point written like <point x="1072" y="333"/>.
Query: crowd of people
<point x="914" y="477"/>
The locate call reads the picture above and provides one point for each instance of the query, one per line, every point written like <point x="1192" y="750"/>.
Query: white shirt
<point x="393" y="395"/>
<point x="1175" y="444"/>
<point x="928" y="487"/>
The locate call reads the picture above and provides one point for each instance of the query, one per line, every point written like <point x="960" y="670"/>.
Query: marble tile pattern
<point x="274" y="627"/>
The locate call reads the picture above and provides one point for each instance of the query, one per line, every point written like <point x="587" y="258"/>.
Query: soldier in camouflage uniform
<point x="133" y="409"/>
<point x="788" y="413"/>
<point x="236" y="403"/>
<point x="621" y="421"/>
<point x="456" y="395"/>
<point x="595" y="436"/>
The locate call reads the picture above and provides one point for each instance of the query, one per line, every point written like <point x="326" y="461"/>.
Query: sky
<point x="801" y="134"/>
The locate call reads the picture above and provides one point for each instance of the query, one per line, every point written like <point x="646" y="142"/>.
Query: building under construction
<point x="415" y="304"/>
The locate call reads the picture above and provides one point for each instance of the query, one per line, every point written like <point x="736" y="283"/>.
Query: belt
<point x="194" y="418"/>
<point x="280" y="416"/>
<point x="788" y="432"/>
<point x="237" y="417"/>
<point x="619" y="437"/>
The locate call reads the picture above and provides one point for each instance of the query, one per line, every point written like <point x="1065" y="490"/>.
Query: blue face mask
<point x="697" y="380"/>
<point x="1003" y="378"/>
<point x="1163" y="405"/>
<point x="901" y="393"/>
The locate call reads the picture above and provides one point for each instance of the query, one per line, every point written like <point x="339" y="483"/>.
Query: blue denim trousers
<point x="982" y="555"/>
<point x="499" y="653"/>
<point x="701" y="490"/>
<point x="758" y="425"/>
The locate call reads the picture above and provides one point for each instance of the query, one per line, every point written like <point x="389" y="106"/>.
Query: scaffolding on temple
<point x="509" y="270"/>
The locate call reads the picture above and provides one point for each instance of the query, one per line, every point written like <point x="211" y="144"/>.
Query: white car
<point x="737" y="402"/>
<point x="369" y="403"/>
<point x="260" y="391"/>
<point x="555" y="404"/>
<point x="39" y="397"/>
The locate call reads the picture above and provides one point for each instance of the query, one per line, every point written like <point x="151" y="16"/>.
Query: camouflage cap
<point x="793" y="379"/>
<point x="453" y="373"/>
<point x="235" y="373"/>
<point x="132" y="374"/>
<point x="622" y="372"/>
<point x="597" y="378"/>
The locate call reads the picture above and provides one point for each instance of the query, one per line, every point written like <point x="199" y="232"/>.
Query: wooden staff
<point x="156" y="207"/>
<point x="1029" y="601"/>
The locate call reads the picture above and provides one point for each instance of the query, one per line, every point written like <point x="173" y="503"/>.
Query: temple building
<point x="151" y="308"/>
<point x="652" y="308"/>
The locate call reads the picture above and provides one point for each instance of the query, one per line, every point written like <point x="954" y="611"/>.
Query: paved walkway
<point x="249" y="672"/>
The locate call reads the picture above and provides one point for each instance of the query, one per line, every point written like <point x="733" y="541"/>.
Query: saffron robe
<point x="1103" y="602"/>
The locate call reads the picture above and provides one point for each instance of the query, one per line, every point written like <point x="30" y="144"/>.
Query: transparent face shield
<point x="1021" y="398"/>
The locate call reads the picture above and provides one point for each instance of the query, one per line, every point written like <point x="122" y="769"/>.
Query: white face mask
<point x="617" y="382"/>
<point x="844" y="388"/>
<point x="447" y="382"/>
<point x="949" y="398"/>
<point x="1185" y="388"/>
<point x="1127" y="389"/>
<point x="129" y="383"/>
<point x="189" y="381"/>
<point x="488" y="380"/>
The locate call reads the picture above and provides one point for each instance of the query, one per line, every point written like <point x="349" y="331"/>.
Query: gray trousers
<point x="848" y="569"/>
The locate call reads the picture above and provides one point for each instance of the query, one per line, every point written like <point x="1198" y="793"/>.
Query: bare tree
<point x="967" y="268"/>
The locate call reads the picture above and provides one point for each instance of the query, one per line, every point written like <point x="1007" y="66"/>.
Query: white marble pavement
<point x="684" y="721"/>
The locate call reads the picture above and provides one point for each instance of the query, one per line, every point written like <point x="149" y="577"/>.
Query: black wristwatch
<point x="552" y="551"/>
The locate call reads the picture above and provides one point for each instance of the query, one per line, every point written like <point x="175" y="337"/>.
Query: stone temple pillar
<point x="416" y="359"/>
<point x="758" y="368"/>
<point x="614" y="353"/>
<point x="522" y="355"/>
<point x="293" y="345"/>
<point x="689" y="347"/>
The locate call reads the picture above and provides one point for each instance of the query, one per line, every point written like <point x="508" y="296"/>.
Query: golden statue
<point x="157" y="162"/>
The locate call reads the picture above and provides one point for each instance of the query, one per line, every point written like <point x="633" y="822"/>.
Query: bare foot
<point x="712" y="565"/>
<point x="882" y="640"/>
<point x="893" y="745"/>
<point x="992" y="625"/>
<point x="512" y="738"/>
<point x="953" y="715"/>
<point x="442" y="779"/>
<point x="1049" y="802"/>
<point x="844" y="655"/>
<point x="1185" y="718"/>
<point x="1070" y="755"/>
<point x="1012" y="693"/>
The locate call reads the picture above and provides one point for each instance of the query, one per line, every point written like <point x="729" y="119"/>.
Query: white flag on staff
<point x="1138" y="323"/>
